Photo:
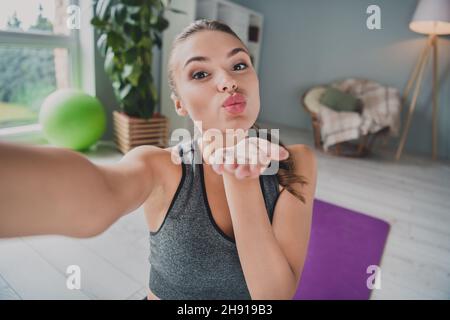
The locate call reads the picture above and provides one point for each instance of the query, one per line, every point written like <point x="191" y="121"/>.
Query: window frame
<point x="81" y="50"/>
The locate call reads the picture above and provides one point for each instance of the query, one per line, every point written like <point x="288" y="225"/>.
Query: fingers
<point x="277" y="152"/>
<point x="242" y="171"/>
<point x="217" y="157"/>
<point x="255" y="171"/>
<point x="283" y="155"/>
<point x="218" y="168"/>
<point x="208" y="151"/>
<point x="230" y="167"/>
<point x="210" y="142"/>
<point x="249" y="158"/>
<point x="268" y="150"/>
<point x="248" y="171"/>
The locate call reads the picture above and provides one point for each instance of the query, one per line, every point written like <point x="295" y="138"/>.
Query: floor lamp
<point x="432" y="17"/>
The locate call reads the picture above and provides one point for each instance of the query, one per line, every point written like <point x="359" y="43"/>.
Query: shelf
<point x="246" y="23"/>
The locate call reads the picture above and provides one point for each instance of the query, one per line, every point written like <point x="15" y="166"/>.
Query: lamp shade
<point x="431" y="17"/>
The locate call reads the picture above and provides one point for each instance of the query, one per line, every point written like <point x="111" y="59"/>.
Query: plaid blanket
<point x="381" y="108"/>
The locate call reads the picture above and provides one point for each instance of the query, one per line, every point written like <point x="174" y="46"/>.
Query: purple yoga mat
<point x="343" y="244"/>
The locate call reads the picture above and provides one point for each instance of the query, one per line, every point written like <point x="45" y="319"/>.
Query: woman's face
<point x="205" y="82"/>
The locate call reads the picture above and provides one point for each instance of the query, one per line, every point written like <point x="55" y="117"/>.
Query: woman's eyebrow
<point x="229" y="55"/>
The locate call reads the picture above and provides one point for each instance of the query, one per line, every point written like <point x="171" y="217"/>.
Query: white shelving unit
<point x="246" y="23"/>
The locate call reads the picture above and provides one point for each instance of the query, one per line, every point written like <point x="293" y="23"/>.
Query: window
<point x="39" y="53"/>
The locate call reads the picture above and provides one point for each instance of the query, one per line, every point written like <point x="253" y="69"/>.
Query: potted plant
<point x="128" y="30"/>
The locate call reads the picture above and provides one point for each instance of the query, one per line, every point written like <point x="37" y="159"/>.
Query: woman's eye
<point x="201" y="74"/>
<point x="242" y="63"/>
<point x="194" y="76"/>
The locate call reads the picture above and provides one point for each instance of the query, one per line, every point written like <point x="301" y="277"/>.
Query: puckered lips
<point x="235" y="104"/>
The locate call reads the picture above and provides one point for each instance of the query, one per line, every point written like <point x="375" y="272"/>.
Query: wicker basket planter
<point x="130" y="132"/>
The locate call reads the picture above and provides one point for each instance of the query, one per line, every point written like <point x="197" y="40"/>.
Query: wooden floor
<point x="412" y="195"/>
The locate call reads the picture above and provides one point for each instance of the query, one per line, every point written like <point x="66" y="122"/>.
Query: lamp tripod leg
<point x="435" y="97"/>
<point x="413" y="103"/>
<point x="415" y="73"/>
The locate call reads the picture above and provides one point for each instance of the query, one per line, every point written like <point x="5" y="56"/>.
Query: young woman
<point x="217" y="231"/>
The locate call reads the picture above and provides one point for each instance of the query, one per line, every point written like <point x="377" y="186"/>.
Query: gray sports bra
<point x="190" y="256"/>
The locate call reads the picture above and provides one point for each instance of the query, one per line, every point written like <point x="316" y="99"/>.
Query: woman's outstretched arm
<point x="47" y="190"/>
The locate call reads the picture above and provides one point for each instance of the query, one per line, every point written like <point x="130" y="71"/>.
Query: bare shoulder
<point x="152" y="156"/>
<point x="162" y="160"/>
<point x="146" y="151"/>
<point x="141" y="165"/>
<point x="304" y="156"/>
<point x="301" y="149"/>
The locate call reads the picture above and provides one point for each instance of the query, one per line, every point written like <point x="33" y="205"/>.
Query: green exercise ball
<point x="72" y="119"/>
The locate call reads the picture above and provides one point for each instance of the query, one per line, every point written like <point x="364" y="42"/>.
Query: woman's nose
<point x="227" y="84"/>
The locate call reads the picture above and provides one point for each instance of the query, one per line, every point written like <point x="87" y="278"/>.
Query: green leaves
<point x="162" y="23"/>
<point x="102" y="9"/>
<point x="132" y="73"/>
<point x="125" y="91"/>
<point x="98" y="23"/>
<point x="119" y="14"/>
<point x="115" y="40"/>
<point x="131" y="55"/>
<point x="132" y="31"/>
<point x="146" y="43"/>
<point x="101" y="44"/>
<point x="127" y="32"/>
<point x="136" y="3"/>
<point x="109" y="61"/>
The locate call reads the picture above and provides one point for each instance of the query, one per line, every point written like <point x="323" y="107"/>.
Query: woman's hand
<point x="249" y="158"/>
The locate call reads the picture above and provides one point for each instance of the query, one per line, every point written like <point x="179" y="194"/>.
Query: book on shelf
<point x="253" y="33"/>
